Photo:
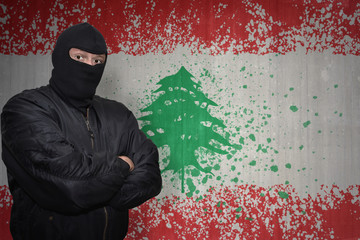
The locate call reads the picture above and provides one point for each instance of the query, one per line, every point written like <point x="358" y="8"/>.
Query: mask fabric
<point x="76" y="82"/>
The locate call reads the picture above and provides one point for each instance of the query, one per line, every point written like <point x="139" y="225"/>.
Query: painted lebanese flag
<point x="254" y="106"/>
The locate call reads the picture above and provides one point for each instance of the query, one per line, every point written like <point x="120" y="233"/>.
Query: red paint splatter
<point x="344" y="218"/>
<point x="5" y="209"/>
<point x="246" y="212"/>
<point x="251" y="212"/>
<point x="140" y="26"/>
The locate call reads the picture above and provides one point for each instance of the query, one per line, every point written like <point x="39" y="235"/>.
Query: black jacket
<point x="64" y="174"/>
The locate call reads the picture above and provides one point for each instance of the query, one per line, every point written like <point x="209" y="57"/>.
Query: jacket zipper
<point x="106" y="223"/>
<point x="92" y="137"/>
<point x="87" y="122"/>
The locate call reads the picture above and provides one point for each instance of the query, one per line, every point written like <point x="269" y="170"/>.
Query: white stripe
<point x="326" y="91"/>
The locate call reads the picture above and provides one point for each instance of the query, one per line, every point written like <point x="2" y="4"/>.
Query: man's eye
<point x="97" y="61"/>
<point x="78" y="57"/>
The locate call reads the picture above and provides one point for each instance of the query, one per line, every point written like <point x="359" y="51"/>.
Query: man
<point x="76" y="162"/>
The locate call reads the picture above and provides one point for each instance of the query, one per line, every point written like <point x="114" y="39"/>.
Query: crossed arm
<point x="61" y="177"/>
<point x="128" y="161"/>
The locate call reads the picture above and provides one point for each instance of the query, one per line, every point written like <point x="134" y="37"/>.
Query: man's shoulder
<point x="32" y="93"/>
<point x="36" y="96"/>
<point x="109" y="104"/>
<point x="111" y="110"/>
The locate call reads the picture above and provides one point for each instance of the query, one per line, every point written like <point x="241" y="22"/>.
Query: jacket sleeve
<point x="52" y="170"/>
<point x="144" y="182"/>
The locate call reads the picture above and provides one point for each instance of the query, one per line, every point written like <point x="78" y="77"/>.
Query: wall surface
<point x="254" y="106"/>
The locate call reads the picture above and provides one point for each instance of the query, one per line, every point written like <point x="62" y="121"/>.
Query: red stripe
<point x="5" y="210"/>
<point x="249" y="212"/>
<point x="141" y="26"/>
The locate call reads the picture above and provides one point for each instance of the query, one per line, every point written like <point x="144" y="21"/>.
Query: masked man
<point x="76" y="162"/>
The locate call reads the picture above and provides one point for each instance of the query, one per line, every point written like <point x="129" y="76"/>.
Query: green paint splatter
<point x="251" y="120"/>
<point x="242" y="69"/>
<point x="239" y="209"/>
<point x="274" y="168"/>
<point x="268" y="140"/>
<point x="336" y="85"/>
<point x="306" y="124"/>
<point x="291" y="89"/>
<point x="288" y="165"/>
<point x="283" y="195"/>
<point x="199" y="198"/>
<point x="235" y="180"/>
<point x="220" y="203"/>
<point x="205" y="179"/>
<point x="191" y="187"/>
<point x="260" y="148"/>
<point x="245" y="86"/>
<point x="293" y="108"/>
<point x="315" y="97"/>
<point x="195" y="172"/>
<point x="252" y="163"/>
<point x="252" y="137"/>
<point x="301" y="147"/>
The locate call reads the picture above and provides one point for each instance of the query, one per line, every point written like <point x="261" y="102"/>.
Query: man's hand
<point x="128" y="161"/>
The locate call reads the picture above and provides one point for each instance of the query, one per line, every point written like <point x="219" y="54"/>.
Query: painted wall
<point x="254" y="106"/>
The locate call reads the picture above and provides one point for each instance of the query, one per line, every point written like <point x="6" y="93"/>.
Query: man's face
<point x="86" y="57"/>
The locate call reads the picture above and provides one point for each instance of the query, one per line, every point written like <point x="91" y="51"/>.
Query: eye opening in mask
<point x="86" y="57"/>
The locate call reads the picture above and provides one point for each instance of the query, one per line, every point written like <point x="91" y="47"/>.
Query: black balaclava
<point x="75" y="81"/>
